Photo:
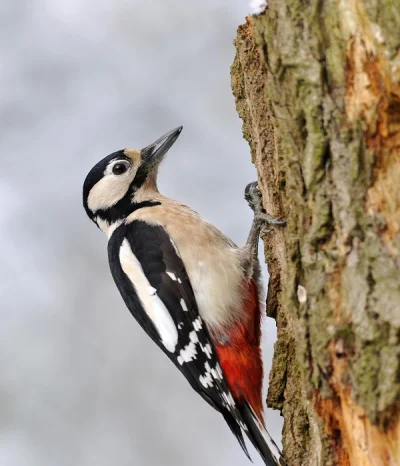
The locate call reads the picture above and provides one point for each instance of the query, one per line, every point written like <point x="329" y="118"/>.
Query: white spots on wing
<point x="197" y="324"/>
<point x="193" y="337"/>
<point x="219" y="371"/>
<point x="207" y="349"/>
<point x="242" y="425"/>
<point x="206" y="380"/>
<point x="214" y="373"/>
<point x="211" y="374"/>
<point x="228" y="398"/>
<point x="151" y="303"/>
<point x="179" y="280"/>
<point x="183" y="304"/>
<point x="188" y="353"/>
<point x="172" y="275"/>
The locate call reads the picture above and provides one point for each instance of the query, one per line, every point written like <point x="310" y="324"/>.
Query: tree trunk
<point x="316" y="83"/>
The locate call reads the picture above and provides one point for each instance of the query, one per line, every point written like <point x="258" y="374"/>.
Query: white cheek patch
<point x="152" y="304"/>
<point x="109" y="190"/>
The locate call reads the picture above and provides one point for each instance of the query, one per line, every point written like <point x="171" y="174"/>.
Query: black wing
<point x="166" y="273"/>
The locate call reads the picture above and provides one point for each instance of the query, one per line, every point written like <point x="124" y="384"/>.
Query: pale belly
<point x="213" y="263"/>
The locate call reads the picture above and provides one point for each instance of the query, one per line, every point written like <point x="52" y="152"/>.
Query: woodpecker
<point x="193" y="291"/>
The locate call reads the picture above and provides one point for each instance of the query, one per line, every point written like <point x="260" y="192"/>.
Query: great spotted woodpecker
<point x="196" y="294"/>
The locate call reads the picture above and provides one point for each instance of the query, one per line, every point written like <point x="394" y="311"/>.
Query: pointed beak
<point x="155" y="152"/>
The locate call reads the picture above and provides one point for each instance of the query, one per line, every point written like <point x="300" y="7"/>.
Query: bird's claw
<point x="265" y="218"/>
<point x="253" y="198"/>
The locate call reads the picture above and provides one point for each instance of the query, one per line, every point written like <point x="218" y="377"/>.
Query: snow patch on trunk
<point x="257" y="6"/>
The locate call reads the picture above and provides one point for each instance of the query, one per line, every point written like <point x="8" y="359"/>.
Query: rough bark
<point x="317" y="86"/>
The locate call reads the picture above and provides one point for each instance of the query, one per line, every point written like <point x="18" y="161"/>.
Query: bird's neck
<point x="109" y="223"/>
<point x="108" y="228"/>
<point x="146" y="196"/>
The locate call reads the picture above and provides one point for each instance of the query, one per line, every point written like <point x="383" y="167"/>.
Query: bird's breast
<point x="212" y="262"/>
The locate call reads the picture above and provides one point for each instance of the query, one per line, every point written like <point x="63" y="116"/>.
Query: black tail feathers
<point x="236" y="430"/>
<point x="256" y="433"/>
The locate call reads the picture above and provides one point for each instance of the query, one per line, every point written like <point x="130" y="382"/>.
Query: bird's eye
<point x="120" y="168"/>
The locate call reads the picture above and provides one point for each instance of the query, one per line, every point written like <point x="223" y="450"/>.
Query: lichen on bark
<point x="317" y="86"/>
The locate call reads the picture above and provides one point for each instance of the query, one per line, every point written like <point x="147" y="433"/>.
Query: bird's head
<point x="124" y="178"/>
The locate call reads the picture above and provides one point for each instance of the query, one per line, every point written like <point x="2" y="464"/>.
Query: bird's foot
<point x="253" y="198"/>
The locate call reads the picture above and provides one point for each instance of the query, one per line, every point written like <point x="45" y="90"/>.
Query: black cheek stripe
<point x="123" y="208"/>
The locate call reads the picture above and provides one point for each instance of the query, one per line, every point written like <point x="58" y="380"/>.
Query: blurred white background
<point x="80" y="384"/>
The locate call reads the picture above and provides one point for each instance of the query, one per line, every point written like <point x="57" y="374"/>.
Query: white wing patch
<point x="197" y="324"/>
<point x="188" y="353"/>
<point x="206" y="380"/>
<point x="183" y="304"/>
<point x="172" y="275"/>
<point x="228" y="398"/>
<point x="152" y="304"/>
<point x="207" y="349"/>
